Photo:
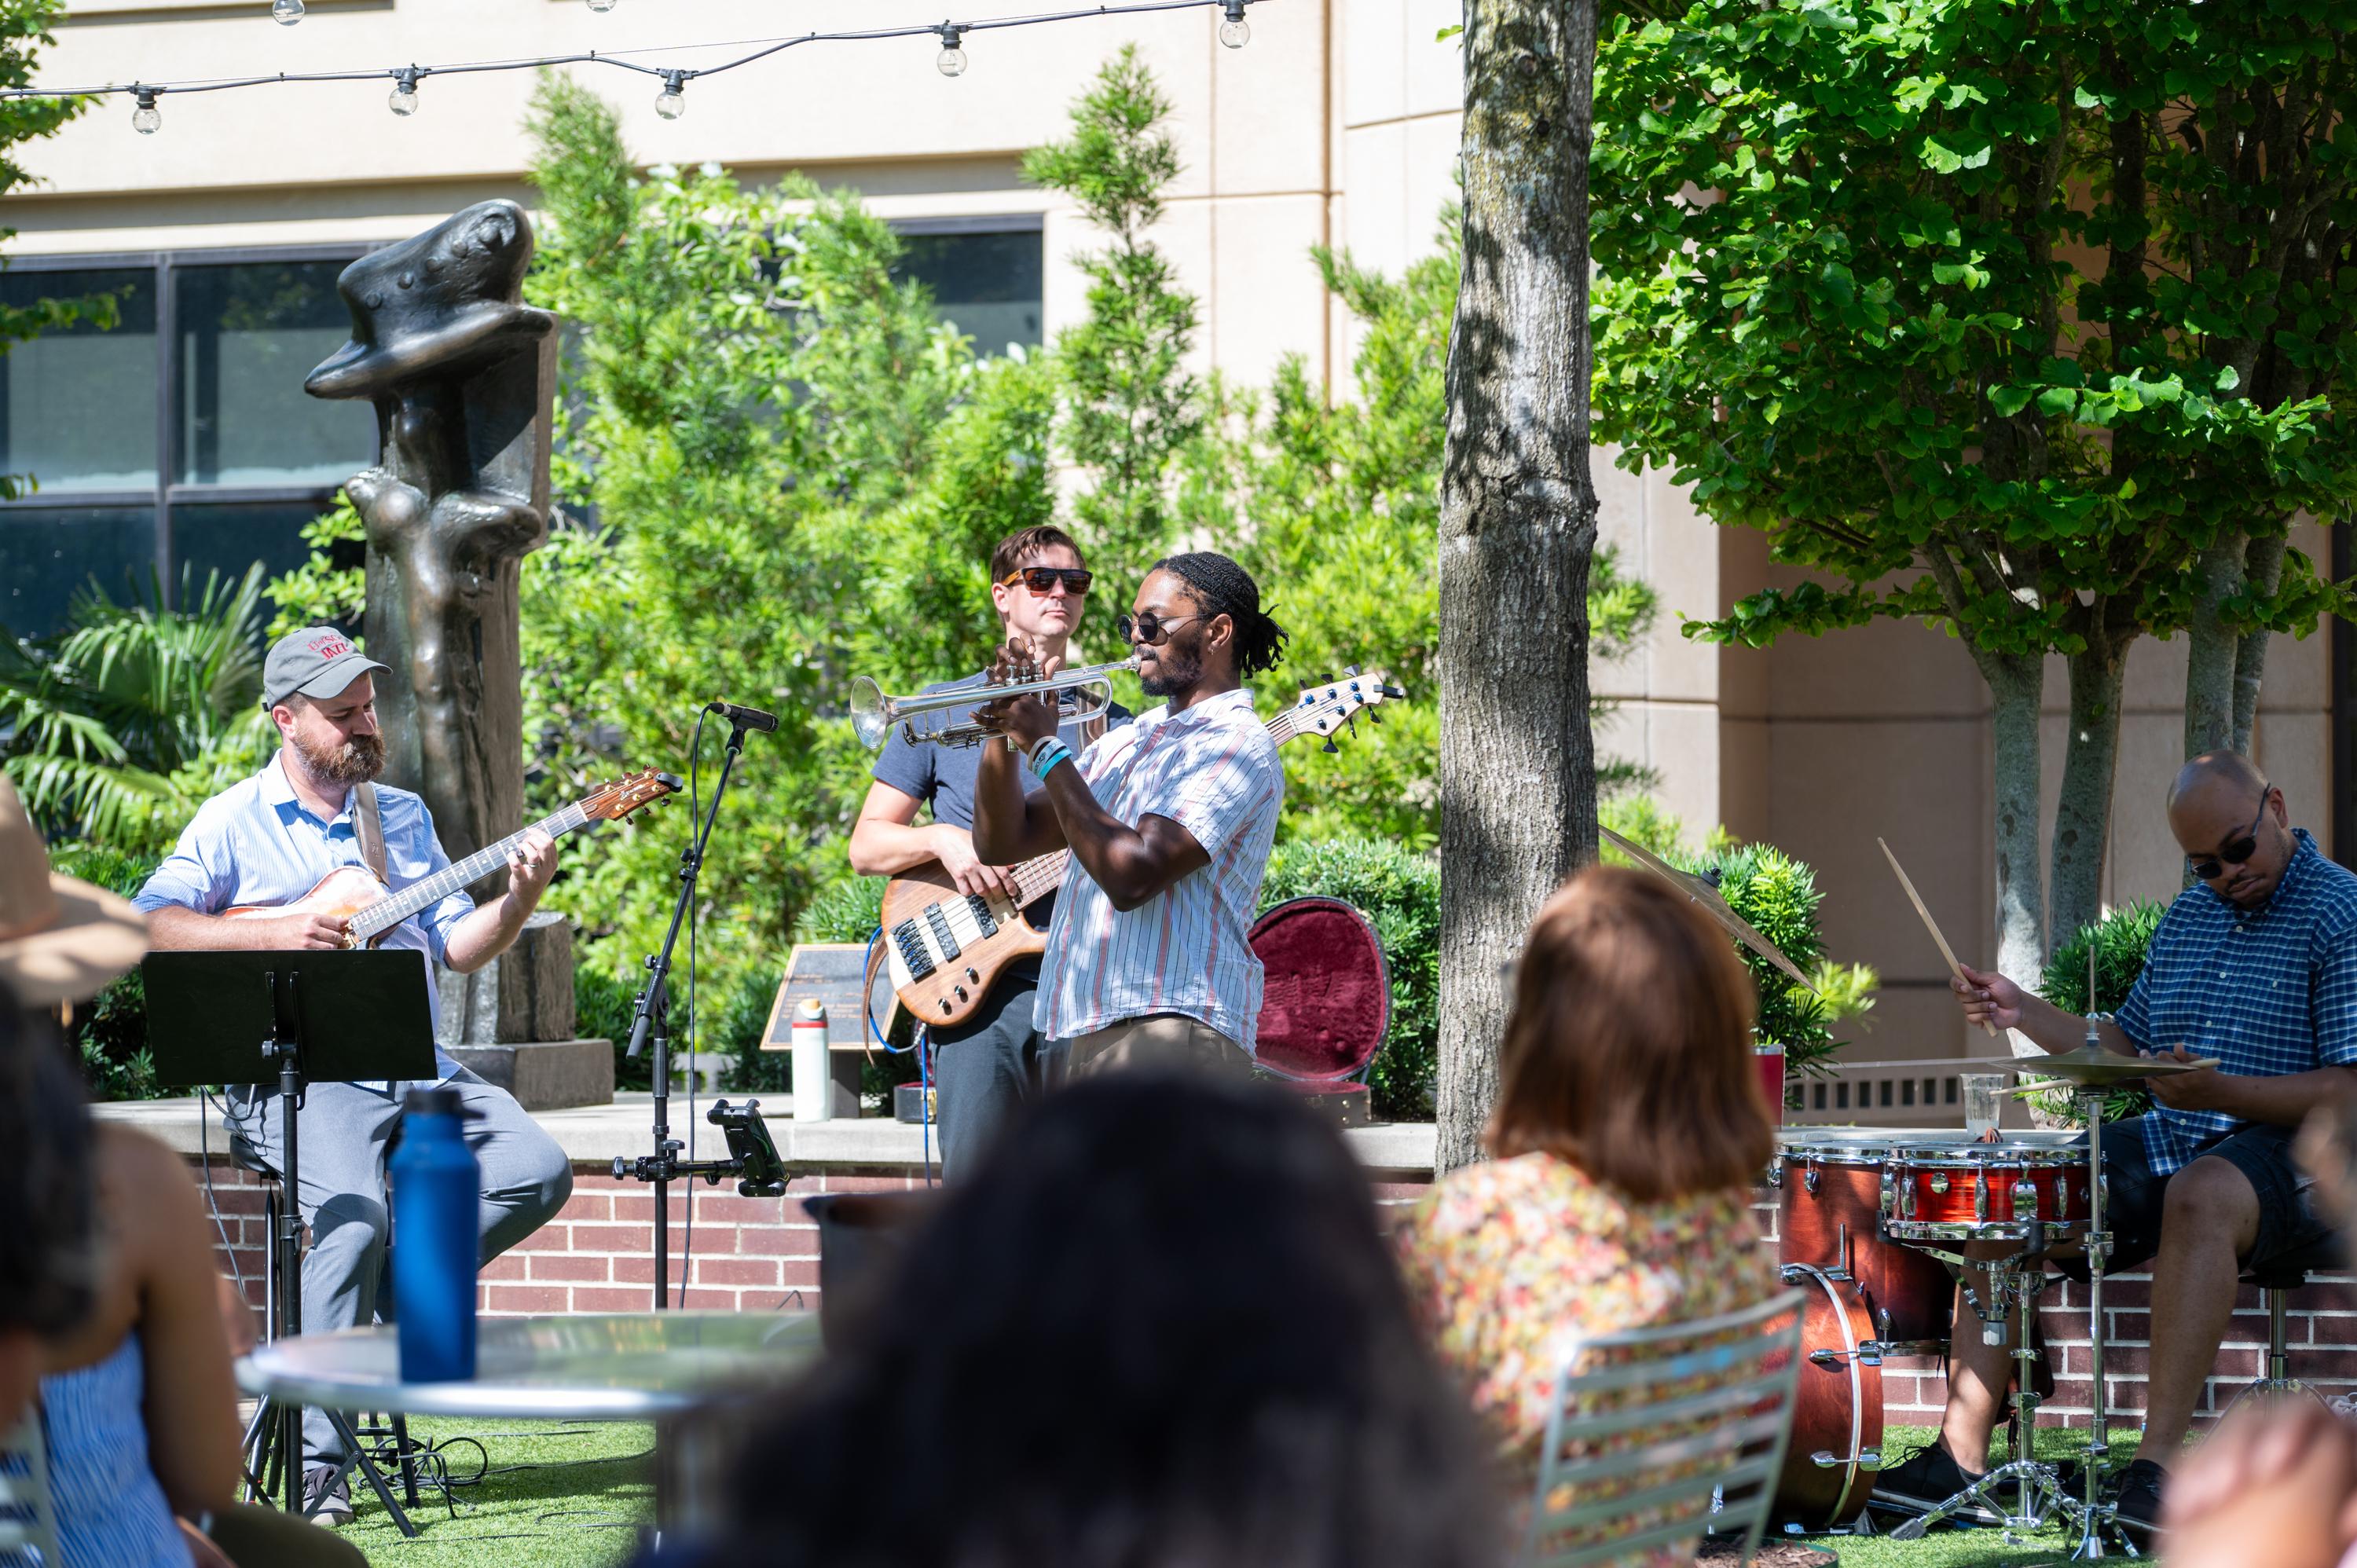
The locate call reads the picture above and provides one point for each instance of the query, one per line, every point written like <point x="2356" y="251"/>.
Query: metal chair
<point x="28" y="1524"/>
<point x="1660" y="1434"/>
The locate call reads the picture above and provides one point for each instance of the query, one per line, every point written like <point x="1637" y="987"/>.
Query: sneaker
<point x="1923" y="1481"/>
<point x="327" y="1496"/>
<point x="2137" y="1501"/>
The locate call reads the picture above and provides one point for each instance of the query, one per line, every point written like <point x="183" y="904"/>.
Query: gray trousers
<point x="344" y="1129"/>
<point x="986" y="1068"/>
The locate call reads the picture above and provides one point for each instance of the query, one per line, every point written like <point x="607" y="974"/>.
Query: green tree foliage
<point x="24" y="33"/>
<point x="109" y="1032"/>
<point x="119" y="728"/>
<point x="795" y="473"/>
<point x="1131" y="408"/>
<point x="331" y="587"/>
<point x="2001" y="317"/>
<point x="1335" y="508"/>
<point x="2118" y="942"/>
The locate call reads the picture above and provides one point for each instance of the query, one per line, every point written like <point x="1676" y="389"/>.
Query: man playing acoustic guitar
<point x="990" y="1063"/>
<point x="270" y="840"/>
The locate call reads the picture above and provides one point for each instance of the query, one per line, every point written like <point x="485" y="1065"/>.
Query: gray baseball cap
<point x="318" y="662"/>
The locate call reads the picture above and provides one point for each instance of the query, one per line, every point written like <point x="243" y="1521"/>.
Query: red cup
<point x="1769" y="1060"/>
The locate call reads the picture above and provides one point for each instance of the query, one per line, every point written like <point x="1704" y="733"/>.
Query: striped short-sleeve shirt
<point x="1213" y="770"/>
<point x="2268" y="992"/>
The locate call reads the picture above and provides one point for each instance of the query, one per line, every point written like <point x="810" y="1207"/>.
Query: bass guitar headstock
<point x="1333" y="705"/>
<point x="612" y="802"/>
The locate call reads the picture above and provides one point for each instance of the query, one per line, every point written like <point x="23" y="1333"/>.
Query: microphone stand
<point x="650" y="1019"/>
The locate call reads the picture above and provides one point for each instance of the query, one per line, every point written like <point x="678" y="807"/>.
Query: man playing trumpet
<point x="985" y="1067"/>
<point x="1169" y="820"/>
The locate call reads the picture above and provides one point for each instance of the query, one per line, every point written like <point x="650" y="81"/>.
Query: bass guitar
<point x="353" y="894"/>
<point x="946" y="949"/>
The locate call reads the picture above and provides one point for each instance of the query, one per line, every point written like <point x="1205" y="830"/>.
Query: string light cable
<point x="951" y="60"/>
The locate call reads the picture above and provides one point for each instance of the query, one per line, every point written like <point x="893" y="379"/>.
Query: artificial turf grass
<point x="582" y="1510"/>
<point x="1949" y="1546"/>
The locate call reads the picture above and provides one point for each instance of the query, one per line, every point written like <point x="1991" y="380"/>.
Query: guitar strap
<point x="369" y="828"/>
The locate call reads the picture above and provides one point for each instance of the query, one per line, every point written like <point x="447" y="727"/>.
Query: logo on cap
<point x="329" y="647"/>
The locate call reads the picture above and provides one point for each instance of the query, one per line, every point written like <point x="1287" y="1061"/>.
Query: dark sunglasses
<point x="2237" y="853"/>
<point x="1039" y="579"/>
<point x="1148" y="629"/>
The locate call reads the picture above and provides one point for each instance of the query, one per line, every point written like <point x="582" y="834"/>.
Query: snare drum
<point x="2026" y="1186"/>
<point x="1830" y="1184"/>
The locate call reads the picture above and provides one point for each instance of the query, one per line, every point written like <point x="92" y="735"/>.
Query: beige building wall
<point x="1337" y="124"/>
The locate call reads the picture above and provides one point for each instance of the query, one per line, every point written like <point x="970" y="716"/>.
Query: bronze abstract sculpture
<point x="463" y="375"/>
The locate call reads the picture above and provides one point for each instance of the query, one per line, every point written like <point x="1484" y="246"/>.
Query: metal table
<point x="663" y="1367"/>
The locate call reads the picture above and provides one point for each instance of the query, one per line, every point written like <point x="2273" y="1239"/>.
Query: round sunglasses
<point x="1148" y="629"/>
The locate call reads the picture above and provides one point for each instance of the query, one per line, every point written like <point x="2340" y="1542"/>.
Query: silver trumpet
<point x="873" y="714"/>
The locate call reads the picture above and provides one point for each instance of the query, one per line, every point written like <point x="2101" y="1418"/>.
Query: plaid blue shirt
<point x="2268" y="992"/>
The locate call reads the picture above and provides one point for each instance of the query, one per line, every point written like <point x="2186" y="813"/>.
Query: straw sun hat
<point x="60" y="939"/>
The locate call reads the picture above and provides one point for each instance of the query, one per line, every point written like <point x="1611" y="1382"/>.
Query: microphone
<point x="748" y="718"/>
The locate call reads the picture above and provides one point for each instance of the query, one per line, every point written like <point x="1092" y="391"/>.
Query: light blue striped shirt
<point x="2268" y="992"/>
<point x="1213" y="770"/>
<point x="255" y="842"/>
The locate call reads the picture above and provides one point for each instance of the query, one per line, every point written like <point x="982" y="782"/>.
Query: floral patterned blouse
<point x="1511" y="1263"/>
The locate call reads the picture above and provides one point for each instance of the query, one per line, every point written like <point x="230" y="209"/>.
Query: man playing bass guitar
<point x="987" y="1064"/>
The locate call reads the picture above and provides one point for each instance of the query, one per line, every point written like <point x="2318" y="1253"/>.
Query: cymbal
<point x="1712" y="903"/>
<point x="2102" y="1070"/>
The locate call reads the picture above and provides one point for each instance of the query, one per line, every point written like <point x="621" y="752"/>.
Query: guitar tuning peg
<point x="1375" y="718"/>
<point x="1330" y="746"/>
<point x="1349" y="669"/>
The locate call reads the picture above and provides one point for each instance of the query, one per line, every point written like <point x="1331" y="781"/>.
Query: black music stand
<point x="290" y="1019"/>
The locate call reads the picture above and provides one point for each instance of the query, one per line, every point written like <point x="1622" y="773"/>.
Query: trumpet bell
<point x="871" y="713"/>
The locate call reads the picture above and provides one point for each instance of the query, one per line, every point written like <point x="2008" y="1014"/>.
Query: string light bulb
<point x="146" y="119"/>
<point x="671" y="103"/>
<point x="403" y="101"/>
<point x="285" y="13"/>
<point x="601" y="7"/>
<point x="1235" y="32"/>
<point x="951" y="61"/>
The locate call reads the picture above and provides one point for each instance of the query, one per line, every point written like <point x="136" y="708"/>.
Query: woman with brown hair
<point x="1628" y="1130"/>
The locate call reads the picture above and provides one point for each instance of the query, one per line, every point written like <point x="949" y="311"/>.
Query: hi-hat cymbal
<point x="2102" y="1070"/>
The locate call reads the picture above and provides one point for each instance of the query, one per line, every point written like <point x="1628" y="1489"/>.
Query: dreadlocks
<point x="1224" y="588"/>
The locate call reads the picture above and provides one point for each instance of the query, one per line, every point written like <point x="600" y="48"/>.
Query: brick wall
<point x="750" y="1254"/>
<point x="761" y="1254"/>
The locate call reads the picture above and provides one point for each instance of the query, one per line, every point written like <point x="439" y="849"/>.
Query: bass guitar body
<point x="342" y="892"/>
<point x="944" y="949"/>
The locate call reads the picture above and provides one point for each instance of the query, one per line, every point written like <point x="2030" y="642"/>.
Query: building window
<point x="985" y="275"/>
<point x="180" y="441"/>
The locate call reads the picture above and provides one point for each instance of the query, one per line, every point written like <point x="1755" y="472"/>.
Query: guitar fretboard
<point x="388" y="912"/>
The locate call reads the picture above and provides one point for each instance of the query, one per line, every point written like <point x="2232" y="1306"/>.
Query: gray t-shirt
<point x="942" y="776"/>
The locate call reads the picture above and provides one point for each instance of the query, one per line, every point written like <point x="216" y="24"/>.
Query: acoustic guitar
<point x="946" y="949"/>
<point x="354" y="894"/>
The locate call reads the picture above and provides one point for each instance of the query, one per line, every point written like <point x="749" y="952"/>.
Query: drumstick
<point x="1714" y="904"/>
<point x="1930" y="925"/>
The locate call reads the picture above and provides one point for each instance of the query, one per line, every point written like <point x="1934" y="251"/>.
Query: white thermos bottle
<point x="813" y="1080"/>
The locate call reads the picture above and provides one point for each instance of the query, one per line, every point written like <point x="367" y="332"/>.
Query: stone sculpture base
<point x="549" y="1076"/>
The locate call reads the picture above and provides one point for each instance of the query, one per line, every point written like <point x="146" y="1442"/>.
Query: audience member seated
<point x="2277" y="1484"/>
<point x="1628" y="1130"/>
<point x="1157" y="1329"/>
<point x="137" y="1407"/>
<point x="46" y="1259"/>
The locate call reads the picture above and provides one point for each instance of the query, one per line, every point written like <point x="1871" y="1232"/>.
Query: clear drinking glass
<point x="1983" y="1101"/>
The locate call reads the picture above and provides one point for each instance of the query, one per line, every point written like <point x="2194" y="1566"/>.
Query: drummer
<point x="2256" y="965"/>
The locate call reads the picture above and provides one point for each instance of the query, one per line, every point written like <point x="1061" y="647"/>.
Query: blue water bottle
<point x="435" y="1195"/>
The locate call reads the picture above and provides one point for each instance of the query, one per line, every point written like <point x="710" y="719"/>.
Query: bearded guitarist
<point x="986" y="1065"/>
<point x="1169" y="821"/>
<point x="314" y="809"/>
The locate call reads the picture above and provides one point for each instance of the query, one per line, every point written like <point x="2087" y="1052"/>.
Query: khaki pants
<point x="1158" y="1040"/>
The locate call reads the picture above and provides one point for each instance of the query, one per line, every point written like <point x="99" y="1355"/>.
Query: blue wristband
<point x="1053" y="753"/>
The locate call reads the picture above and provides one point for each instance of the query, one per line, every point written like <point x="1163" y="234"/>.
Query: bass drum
<point x="1836" y="1440"/>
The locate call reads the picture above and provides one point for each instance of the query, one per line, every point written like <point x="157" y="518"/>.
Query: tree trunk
<point x="2017" y="685"/>
<point x="2091" y="753"/>
<point x="1517" y="527"/>
<point x="2263" y="568"/>
<point x="2216" y="650"/>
